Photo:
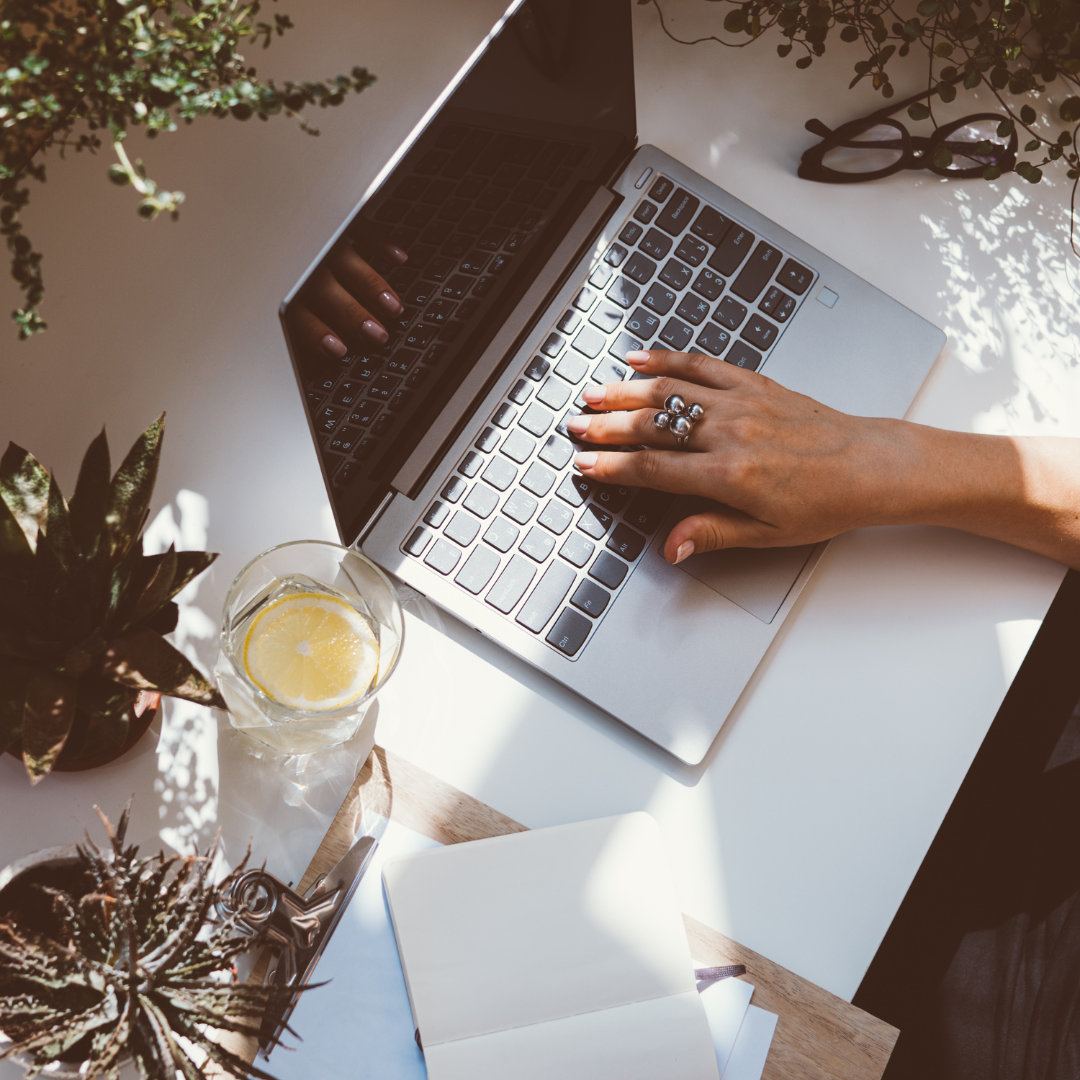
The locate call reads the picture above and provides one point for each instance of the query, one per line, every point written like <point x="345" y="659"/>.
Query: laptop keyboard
<point x="515" y="525"/>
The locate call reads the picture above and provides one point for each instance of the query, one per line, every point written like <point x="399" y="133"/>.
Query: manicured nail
<point x="594" y="395"/>
<point x="686" y="549"/>
<point x="585" y="461"/>
<point x="390" y="302"/>
<point x="396" y="253"/>
<point x="637" y="358"/>
<point x="333" y="346"/>
<point x="375" y="331"/>
<point x="579" y="425"/>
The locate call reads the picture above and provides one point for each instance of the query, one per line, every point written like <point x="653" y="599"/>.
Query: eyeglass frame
<point x="917" y="151"/>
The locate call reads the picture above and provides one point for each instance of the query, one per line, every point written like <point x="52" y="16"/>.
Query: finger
<point x="621" y="428"/>
<point x="665" y="470"/>
<point x="342" y="312"/>
<point x="363" y="282"/>
<point x="311" y="336"/>
<point x="718" y="529"/>
<point x="691" y="367"/>
<point x="645" y="394"/>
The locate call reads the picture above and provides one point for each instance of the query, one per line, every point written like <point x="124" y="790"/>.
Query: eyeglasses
<point x="878" y="146"/>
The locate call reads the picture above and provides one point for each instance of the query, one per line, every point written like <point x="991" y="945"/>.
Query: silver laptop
<point x="543" y="244"/>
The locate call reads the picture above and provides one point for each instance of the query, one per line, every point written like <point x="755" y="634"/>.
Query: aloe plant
<point x="138" y="966"/>
<point x="82" y="609"/>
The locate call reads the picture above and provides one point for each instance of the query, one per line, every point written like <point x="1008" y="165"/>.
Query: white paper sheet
<point x="726" y="1002"/>
<point x="747" y="1061"/>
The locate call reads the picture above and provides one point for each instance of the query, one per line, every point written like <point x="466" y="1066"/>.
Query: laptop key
<point x="590" y="342"/>
<point x="594" y="522"/>
<point x="741" y="355"/>
<point x="676" y="274"/>
<point x="625" y="542"/>
<point x="538" y="479"/>
<point x="661" y="189"/>
<point x="572" y="368"/>
<point x="520" y="392"/>
<point x="608" y="570"/>
<point x="511" y="584"/>
<point x="545" y="599"/>
<point x="643" y="323"/>
<point x="585" y="299"/>
<point x="600" y="276"/>
<point x="659" y="298"/>
<point x="517" y="446"/>
<point x="418" y="540"/>
<point x="631" y="231"/>
<point x="639" y="268"/>
<point x="731" y="251"/>
<point x="443" y="556"/>
<point x="607" y="318"/>
<point x="576" y="550"/>
<point x="795" y="277"/>
<point x="568" y="321"/>
<point x="648" y="510"/>
<point x="462" y="528"/>
<point x="500" y="474"/>
<point x="645" y="212"/>
<point x="470" y="464"/>
<point x="760" y="332"/>
<point x="554" y="393"/>
<point x="569" y="632"/>
<point x="713" y="340"/>
<point x="693" y="309"/>
<point x="478" y="570"/>
<point x="538" y="368"/>
<point x="555" y="517"/>
<point x="536" y="419"/>
<point x="679" y="212"/>
<point x="537" y="544"/>
<point x="676" y="334"/>
<point x="520" y="507"/>
<point x="655" y="243"/>
<point x="553" y="345"/>
<point x="691" y="250"/>
<point x="488" y="440"/>
<point x="501" y="535"/>
<point x="609" y="371"/>
<point x="612" y="497"/>
<point x="777" y="304"/>
<point x="574" y="489"/>
<point x="730" y="313"/>
<point x="590" y="598"/>
<point x="482" y="500"/>
<point x="438" y="513"/>
<point x="616" y="254"/>
<point x="757" y="272"/>
<point x="454" y="489"/>
<point x="556" y="452"/>
<point x="710" y="225"/>
<point x="504" y="415"/>
<point x="708" y="284"/>
<point x="624" y="293"/>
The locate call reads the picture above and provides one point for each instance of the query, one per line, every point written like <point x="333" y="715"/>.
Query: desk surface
<point x="800" y="832"/>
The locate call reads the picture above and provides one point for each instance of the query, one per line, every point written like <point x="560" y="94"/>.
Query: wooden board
<point x="818" y="1036"/>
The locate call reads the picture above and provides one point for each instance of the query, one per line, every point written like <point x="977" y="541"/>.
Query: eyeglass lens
<point x="878" y="147"/>
<point x="976" y="144"/>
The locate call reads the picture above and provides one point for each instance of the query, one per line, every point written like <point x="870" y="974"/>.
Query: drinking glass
<point x="313" y="575"/>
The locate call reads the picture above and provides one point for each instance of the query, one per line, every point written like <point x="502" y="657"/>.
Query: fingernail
<point x="686" y="549"/>
<point x="578" y="424"/>
<point x="396" y="253"/>
<point x="585" y="461"/>
<point x="593" y="394"/>
<point x="637" y="358"/>
<point x="390" y="302"/>
<point x="333" y="346"/>
<point x="375" y="331"/>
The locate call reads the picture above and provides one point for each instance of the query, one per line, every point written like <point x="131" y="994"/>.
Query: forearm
<point x="1024" y="491"/>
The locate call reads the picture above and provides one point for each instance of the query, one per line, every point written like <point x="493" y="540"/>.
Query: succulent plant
<point x="82" y="609"/>
<point x="139" y="964"/>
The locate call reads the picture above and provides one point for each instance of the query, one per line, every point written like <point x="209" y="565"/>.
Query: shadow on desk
<point x="980" y="967"/>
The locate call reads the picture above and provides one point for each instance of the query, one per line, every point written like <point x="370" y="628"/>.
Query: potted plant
<point x="106" y="957"/>
<point x="77" y="72"/>
<point x="83" y="610"/>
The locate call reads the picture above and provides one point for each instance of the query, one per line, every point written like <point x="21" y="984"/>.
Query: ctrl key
<point x="569" y="632"/>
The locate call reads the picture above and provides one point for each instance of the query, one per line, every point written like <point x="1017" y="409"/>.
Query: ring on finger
<point x="679" y="418"/>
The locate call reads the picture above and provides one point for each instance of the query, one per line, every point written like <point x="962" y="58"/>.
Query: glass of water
<point x="310" y="633"/>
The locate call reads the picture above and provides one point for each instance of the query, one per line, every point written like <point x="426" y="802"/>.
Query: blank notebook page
<point x="558" y="951"/>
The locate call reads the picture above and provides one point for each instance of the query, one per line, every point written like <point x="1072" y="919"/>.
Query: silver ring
<point x="679" y="418"/>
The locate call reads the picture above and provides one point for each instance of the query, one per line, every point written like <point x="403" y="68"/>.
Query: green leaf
<point x="158" y="589"/>
<point x="918" y="111"/>
<point x="942" y="157"/>
<point x="946" y="91"/>
<point x="15" y="549"/>
<point x="1070" y="110"/>
<point x="999" y="78"/>
<point x="189" y="565"/>
<point x="972" y="79"/>
<point x="804" y="62"/>
<point x="47" y="716"/>
<point x="146" y="661"/>
<point x="849" y="33"/>
<point x="1031" y="146"/>
<point x="1005" y="128"/>
<point x="128" y="501"/>
<point x="164" y="620"/>
<point x="24" y="486"/>
<point x="735" y="21"/>
<point x="929" y="8"/>
<point x="991" y="172"/>
<point x="14" y="677"/>
<point x="57" y="531"/>
<point x="1027" y="114"/>
<point x="91" y="495"/>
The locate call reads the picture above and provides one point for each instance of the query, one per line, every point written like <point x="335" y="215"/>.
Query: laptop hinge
<point x="423" y="459"/>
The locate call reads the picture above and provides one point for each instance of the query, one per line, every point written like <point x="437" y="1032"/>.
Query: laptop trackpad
<point x="757" y="579"/>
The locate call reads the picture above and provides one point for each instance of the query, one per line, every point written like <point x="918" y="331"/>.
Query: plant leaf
<point x="145" y="660"/>
<point x="47" y="716"/>
<point x="158" y="589"/>
<point x="24" y="486"/>
<point x="57" y="529"/>
<point x="87" y="506"/>
<point x="164" y="620"/>
<point x="15" y="549"/>
<point x="189" y="565"/>
<point x="13" y="680"/>
<point x="128" y="500"/>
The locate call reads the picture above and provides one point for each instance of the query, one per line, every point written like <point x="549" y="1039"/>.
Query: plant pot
<point x="21" y="903"/>
<point x="78" y="753"/>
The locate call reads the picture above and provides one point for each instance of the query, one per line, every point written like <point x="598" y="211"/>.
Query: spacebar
<point x="536" y="612"/>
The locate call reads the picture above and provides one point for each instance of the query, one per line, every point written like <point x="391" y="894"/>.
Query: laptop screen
<point x="478" y="201"/>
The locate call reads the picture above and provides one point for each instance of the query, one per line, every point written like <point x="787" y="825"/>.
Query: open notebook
<point x="557" y="952"/>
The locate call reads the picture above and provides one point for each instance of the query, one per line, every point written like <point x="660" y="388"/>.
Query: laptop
<point x="544" y="243"/>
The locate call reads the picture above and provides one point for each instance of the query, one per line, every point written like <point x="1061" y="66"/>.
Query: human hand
<point x="788" y="469"/>
<point x="345" y="304"/>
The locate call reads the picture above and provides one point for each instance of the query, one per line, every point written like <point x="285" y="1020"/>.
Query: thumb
<point x="714" y="530"/>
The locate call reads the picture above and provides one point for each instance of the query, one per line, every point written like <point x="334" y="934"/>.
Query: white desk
<point x="801" y="831"/>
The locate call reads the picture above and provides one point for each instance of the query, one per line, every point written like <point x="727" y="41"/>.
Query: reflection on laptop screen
<point x="479" y="201"/>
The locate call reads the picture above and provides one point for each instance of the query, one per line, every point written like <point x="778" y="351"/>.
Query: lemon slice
<point x="311" y="651"/>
